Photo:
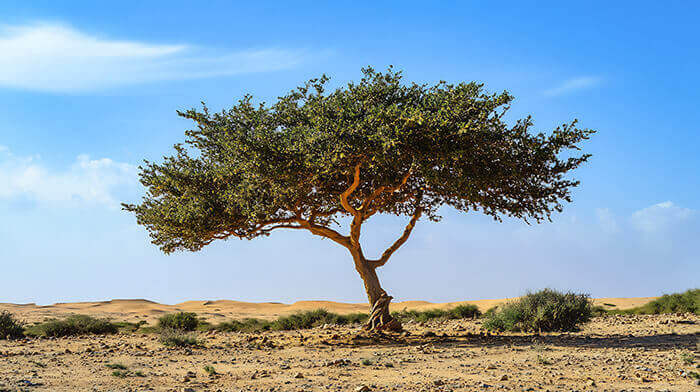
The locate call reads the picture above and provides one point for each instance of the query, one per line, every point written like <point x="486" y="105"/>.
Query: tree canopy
<point x="378" y="146"/>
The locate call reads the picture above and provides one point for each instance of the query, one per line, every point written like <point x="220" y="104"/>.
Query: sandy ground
<point x="221" y="310"/>
<point x="612" y="353"/>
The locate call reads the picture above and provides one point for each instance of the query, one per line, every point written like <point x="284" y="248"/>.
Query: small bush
<point x="183" y="321"/>
<point x="546" y="310"/>
<point x="688" y="358"/>
<point x="246" y="325"/>
<point x="177" y="338"/>
<point x="686" y="302"/>
<point x="73" y="325"/>
<point x="120" y="373"/>
<point x="10" y="328"/>
<point x="116" y="366"/>
<point x="210" y="370"/>
<point x="125" y="326"/>
<point x="313" y="318"/>
<point x="458" y="312"/>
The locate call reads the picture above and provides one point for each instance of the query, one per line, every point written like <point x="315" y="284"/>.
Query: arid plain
<point x="613" y="353"/>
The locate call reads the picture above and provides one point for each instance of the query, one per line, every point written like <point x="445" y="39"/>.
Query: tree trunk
<point x="380" y="318"/>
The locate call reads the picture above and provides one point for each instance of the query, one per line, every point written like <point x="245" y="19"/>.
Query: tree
<point x="315" y="160"/>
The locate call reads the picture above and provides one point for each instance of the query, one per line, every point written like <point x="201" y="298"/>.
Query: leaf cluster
<point x="248" y="170"/>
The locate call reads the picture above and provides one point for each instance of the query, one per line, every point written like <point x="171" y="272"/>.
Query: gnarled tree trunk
<point x="380" y="318"/>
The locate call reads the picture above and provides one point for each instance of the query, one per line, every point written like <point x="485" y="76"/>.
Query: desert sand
<point x="611" y="353"/>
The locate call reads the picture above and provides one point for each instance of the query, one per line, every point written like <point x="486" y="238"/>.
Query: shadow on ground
<point x="662" y="342"/>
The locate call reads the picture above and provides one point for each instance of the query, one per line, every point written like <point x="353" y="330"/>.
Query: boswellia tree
<point x="317" y="160"/>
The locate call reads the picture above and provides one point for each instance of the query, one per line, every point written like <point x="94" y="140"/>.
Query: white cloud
<point x="660" y="217"/>
<point x="86" y="180"/>
<point x="572" y="85"/>
<point x="53" y="57"/>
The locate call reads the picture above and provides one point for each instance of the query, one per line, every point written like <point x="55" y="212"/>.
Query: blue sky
<point x="89" y="90"/>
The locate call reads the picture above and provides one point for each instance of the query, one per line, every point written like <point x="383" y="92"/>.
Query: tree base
<point x="380" y="319"/>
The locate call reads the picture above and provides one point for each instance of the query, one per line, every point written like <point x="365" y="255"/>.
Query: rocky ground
<point x="612" y="353"/>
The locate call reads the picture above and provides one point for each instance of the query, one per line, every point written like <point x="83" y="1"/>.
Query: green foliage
<point x="177" y="338"/>
<point x="125" y="326"/>
<point x="546" y="310"/>
<point x="245" y="325"/>
<point x="300" y="320"/>
<point x="10" y="328"/>
<point x="209" y="370"/>
<point x="184" y="321"/>
<point x="120" y="373"/>
<point x="686" y="302"/>
<point x="310" y="319"/>
<point x="367" y="362"/>
<point x="254" y="168"/>
<point x="71" y="326"/>
<point x="458" y="312"/>
<point x="116" y="366"/>
<point x="688" y="358"/>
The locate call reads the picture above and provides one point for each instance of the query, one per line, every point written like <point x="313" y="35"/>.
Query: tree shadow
<point x="663" y="342"/>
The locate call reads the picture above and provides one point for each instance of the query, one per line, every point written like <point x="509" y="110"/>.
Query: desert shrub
<point x="546" y="310"/>
<point x="10" y="327"/>
<point x="210" y="370"/>
<point x="463" y="312"/>
<point x="184" y="321"/>
<point x="116" y="366"/>
<point x="301" y="320"/>
<point x="458" y="312"/>
<point x="245" y="325"/>
<point x="355" y="318"/>
<point x="73" y="325"/>
<point x="686" y="302"/>
<point x="177" y="338"/>
<point x="125" y="326"/>
<point x="308" y="319"/>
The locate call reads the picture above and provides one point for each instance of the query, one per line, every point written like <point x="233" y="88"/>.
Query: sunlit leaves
<point x="254" y="165"/>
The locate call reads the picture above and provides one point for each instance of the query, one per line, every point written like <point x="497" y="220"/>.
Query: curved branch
<point x="355" y="183"/>
<point x="326" y="232"/>
<point x="396" y="245"/>
<point x="368" y="202"/>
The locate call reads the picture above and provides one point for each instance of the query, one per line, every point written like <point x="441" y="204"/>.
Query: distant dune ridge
<point x="220" y="310"/>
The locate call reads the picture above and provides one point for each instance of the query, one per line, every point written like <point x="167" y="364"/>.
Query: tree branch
<point x="355" y="183"/>
<point x="400" y="241"/>
<point x="326" y="232"/>
<point x="368" y="202"/>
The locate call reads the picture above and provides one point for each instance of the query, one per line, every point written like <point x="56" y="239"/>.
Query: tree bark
<point x="380" y="318"/>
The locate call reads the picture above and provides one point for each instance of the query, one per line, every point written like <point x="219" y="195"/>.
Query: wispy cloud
<point x="660" y="217"/>
<point x="572" y="85"/>
<point x="87" y="180"/>
<point x="54" y="57"/>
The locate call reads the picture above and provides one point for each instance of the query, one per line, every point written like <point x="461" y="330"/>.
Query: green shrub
<point x="245" y="325"/>
<point x="314" y="318"/>
<point x="125" y="326"/>
<point x="210" y="370"/>
<point x="686" y="302"/>
<point x="10" y="328"/>
<point x="546" y="310"/>
<point x="116" y="366"/>
<point x="177" y="338"/>
<point x="183" y="321"/>
<point x="458" y="312"/>
<point x="71" y="326"/>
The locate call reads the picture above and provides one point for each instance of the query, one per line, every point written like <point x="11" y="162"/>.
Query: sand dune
<point x="218" y="310"/>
